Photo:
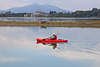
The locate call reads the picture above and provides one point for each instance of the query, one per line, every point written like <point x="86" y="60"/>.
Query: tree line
<point x="95" y="12"/>
<point x="89" y="13"/>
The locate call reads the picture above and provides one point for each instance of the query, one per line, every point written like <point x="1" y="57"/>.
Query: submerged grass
<point x="89" y="23"/>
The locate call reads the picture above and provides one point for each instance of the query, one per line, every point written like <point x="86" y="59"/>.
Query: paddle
<point x="57" y="32"/>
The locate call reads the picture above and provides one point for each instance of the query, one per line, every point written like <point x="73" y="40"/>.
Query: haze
<point x="64" y="4"/>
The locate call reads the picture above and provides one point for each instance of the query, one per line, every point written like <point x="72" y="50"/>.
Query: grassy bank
<point x="90" y="23"/>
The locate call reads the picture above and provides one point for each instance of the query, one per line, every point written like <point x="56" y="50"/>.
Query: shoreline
<point x="88" y="23"/>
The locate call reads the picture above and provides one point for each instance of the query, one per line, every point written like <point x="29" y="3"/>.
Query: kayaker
<point x="53" y="37"/>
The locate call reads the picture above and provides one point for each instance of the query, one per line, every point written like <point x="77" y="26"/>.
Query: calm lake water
<point x="18" y="47"/>
<point x="31" y="19"/>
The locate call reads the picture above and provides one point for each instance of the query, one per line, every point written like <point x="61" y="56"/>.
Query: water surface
<point x="57" y="19"/>
<point x="18" y="47"/>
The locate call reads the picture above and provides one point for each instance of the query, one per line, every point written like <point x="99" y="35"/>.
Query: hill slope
<point x="34" y="7"/>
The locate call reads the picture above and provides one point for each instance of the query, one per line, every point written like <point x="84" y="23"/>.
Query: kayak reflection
<point x="53" y="44"/>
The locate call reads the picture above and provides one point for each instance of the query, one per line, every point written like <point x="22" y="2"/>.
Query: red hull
<point x="49" y="40"/>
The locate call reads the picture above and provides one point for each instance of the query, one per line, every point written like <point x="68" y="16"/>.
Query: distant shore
<point x="89" y="23"/>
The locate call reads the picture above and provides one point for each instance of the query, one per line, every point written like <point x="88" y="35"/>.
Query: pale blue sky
<point x="64" y="4"/>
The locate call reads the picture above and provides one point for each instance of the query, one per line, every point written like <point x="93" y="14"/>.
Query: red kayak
<point x="49" y="40"/>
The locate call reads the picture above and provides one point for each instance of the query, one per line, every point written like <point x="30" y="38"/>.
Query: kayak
<point x="50" y="40"/>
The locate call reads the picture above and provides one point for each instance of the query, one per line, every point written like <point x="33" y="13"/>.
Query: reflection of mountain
<point x="34" y="7"/>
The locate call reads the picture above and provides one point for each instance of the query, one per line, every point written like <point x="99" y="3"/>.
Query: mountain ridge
<point x="34" y="7"/>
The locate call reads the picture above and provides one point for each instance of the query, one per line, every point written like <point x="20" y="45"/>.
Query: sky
<point x="64" y="4"/>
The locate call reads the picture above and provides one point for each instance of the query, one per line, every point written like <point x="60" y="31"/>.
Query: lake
<point x="18" y="47"/>
<point x="57" y="19"/>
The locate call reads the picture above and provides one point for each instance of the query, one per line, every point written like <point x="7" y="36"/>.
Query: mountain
<point x="2" y="11"/>
<point x="34" y="7"/>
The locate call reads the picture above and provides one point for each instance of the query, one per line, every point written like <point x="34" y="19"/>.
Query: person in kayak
<point x="53" y="37"/>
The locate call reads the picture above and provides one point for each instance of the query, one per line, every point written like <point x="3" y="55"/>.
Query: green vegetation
<point x="89" y="13"/>
<point x="92" y="13"/>
<point x="91" y="23"/>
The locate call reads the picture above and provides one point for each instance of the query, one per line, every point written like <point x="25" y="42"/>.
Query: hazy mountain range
<point x="34" y="7"/>
<point x="2" y="11"/>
